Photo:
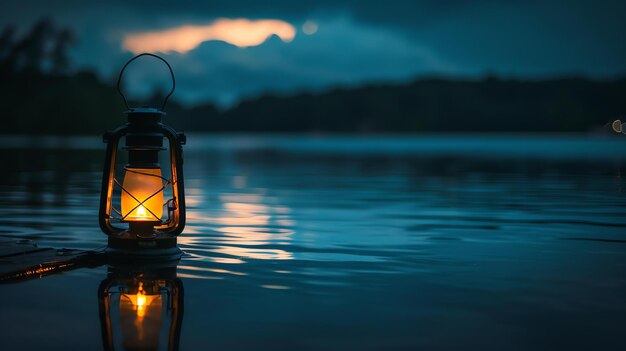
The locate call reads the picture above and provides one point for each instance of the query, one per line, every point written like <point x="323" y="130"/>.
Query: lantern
<point x="144" y="222"/>
<point x="141" y="309"/>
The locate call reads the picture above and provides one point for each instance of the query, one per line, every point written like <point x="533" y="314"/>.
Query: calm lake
<point x="450" y="242"/>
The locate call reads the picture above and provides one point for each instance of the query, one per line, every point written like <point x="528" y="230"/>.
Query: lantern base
<point x="129" y="246"/>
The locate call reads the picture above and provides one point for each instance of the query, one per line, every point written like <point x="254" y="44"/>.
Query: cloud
<point x="340" y="53"/>
<point x="356" y="42"/>
<point x="239" y="32"/>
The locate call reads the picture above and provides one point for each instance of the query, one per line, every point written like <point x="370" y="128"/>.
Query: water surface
<point x="302" y="242"/>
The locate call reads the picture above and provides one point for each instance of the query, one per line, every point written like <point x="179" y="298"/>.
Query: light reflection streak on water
<point x="212" y="270"/>
<point x="244" y="224"/>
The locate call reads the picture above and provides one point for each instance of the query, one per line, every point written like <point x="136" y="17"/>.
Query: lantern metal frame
<point x="144" y="134"/>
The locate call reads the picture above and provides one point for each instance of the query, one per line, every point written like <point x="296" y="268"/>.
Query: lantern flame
<point x="141" y="304"/>
<point x="141" y="211"/>
<point x="141" y="301"/>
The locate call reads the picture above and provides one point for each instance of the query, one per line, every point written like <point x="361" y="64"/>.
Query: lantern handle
<point x="119" y="79"/>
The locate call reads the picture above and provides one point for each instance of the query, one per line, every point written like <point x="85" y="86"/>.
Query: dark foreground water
<point x="305" y="243"/>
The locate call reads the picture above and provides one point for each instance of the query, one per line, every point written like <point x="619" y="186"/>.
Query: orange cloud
<point x="240" y="32"/>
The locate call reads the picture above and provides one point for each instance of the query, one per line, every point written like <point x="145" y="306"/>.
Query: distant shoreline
<point x="544" y="147"/>
<point x="82" y="104"/>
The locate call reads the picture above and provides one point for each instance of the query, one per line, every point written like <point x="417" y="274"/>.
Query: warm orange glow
<point x="141" y="318"/>
<point x="239" y="32"/>
<point x="141" y="211"/>
<point x="142" y="183"/>
<point x="245" y="222"/>
<point x="141" y="301"/>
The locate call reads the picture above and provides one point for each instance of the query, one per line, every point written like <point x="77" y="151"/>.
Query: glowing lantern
<point x="145" y="222"/>
<point x="141" y="310"/>
<point x="143" y="182"/>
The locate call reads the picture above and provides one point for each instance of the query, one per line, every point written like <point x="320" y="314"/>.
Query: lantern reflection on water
<point x="141" y="310"/>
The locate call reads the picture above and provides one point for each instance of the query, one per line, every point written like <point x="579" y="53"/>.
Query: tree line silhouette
<point x="39" y="95"/>
<point x="42" y="49"/>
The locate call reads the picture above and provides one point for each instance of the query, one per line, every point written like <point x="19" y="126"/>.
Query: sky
<point x="226" y="51"/>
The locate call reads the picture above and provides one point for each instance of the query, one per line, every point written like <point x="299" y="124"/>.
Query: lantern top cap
<point x="144" y="110"/>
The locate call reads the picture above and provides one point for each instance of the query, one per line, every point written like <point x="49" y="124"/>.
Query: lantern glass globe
<point x="146" y="203"/>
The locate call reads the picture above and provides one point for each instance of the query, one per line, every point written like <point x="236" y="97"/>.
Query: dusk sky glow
<point x="226" y="51"/>
<point x="239" y="32"/>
